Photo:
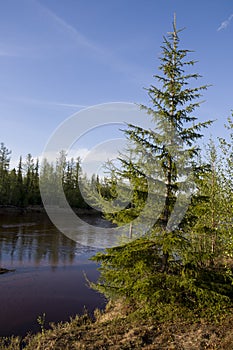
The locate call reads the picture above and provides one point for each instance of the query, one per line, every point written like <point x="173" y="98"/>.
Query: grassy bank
<point x="116" y="329"/>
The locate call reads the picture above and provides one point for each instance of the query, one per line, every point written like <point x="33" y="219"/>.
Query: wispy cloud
<point x="225" y="23"/>
<point x="9" y="53"/>
<point x="5" y="54"/>
<point x="26" y="51"/>
<point x="33" y="101"/>
<point x="69" y="105"/>
<point x="101" y="53"/>
<point x="79" y="38"/>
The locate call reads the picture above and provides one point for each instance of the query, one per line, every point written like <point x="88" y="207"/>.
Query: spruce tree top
<point x="173" y="100"/>
<point x="165" y="154"/>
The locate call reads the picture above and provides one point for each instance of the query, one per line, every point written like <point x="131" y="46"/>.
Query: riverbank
<point x="11" y="209"/>
<point x="2" y="271"/>
<point x="115" y="329"/>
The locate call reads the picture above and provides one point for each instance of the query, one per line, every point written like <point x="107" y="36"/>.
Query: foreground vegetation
<point x="117" y="329"/>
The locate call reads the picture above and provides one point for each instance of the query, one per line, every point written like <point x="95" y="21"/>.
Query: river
<point x="48" y="274"/>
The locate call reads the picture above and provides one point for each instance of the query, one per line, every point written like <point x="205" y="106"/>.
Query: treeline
<point x="20" y="186"/>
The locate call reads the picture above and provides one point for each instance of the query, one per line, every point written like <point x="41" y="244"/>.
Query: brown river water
<point x="48" y="274"/>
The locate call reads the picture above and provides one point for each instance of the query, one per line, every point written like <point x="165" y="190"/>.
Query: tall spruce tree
<point x="151" y="271"/>
<point x="166" y="155"/>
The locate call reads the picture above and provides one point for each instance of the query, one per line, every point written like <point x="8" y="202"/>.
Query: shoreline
<point x="11" y="209"/>
<point x="115" y="328"/>
<point x="3" y="270"/>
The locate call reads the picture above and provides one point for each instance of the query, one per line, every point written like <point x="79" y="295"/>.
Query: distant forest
<point x="20" y="186"/>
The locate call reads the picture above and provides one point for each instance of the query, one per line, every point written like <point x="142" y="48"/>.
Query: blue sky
<point x="58" y="56"/>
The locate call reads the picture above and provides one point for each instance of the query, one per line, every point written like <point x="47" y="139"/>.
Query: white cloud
<point x="225" y="23"/>
<point x="52" y="156"/>
<point x="92" y="161"/>
<point x="79" y="152"/>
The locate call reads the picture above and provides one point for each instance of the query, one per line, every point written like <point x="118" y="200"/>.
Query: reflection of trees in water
<point x="34" y="242"/>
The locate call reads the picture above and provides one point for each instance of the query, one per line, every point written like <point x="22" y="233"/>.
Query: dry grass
<point x="116" y="330"/>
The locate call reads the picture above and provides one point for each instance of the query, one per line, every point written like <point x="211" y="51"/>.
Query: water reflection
<point x="32" y="239"/>
<point x="48" y="274"/>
